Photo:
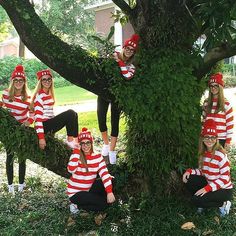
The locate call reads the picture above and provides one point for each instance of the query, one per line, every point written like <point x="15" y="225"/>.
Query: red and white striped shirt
<point x="18" y="108"/>
<point x="127" y="70"/>
<point x="81" y="180"/>
<point x="43" y="108"/>
<point x="216" y="170"/>
<point x="224" y="120"/>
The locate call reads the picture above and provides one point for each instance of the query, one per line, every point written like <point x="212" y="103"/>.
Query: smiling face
<point x="18" y="83"/>
<point x="214" y="88"/>
<point x="209" y="141"/>
<point x="46" y="81"/>
<point x="86" y="146"/>
<point x="129" y="51"/>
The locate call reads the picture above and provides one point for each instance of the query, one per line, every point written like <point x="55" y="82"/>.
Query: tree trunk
<point x="21" y="49"/>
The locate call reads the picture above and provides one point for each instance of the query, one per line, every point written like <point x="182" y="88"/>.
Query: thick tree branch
<point x="24" y="142"/>
<point x="123" y="6"/>
<point x="73" y="63"/>
<point x="213" y="56"/>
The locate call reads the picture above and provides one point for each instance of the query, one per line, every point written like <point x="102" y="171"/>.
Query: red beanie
<point x="209" y="128"/>
<point x="43" y="72"/>
<point x="133" y="41"/>
<point x="216" y="78"/>
<point x="85" y="134"/>
<point x="18" y="72"/>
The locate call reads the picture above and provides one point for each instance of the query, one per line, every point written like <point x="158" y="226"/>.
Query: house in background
<point x="104" y="21"/>
<point x="10" y="47"/>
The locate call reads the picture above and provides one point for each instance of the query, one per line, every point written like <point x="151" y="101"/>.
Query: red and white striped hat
<point x="85" y="134"/>
<point x="209" y="128"/>
<point x="133" y="41"/>
<point x="43" y="72"/>
<point x="18" y="72"/>
<point x="216" y="78"/>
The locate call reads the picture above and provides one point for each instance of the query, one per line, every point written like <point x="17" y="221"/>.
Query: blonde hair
<point x="202" y="149"/>
<point x="220" y="102"/>
<point x="25" y="93"/>
<point x="124" y="58"/>
<point x="38" y="88"/>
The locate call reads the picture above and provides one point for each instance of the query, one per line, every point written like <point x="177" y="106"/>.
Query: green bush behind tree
<point x="7" y="65"/>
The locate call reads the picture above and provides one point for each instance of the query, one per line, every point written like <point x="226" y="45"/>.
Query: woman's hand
<point x="227" y="147"/>
<point x="115" y="56"/>
<point x="26" y="123"/>
<point x="110" y="198"/>
<point x="42" y="143"/>
<point x="200" y="192"/>
<point x="186" y="177"/>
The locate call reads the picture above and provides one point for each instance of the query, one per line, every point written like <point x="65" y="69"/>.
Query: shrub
<point x="7" y="64"/>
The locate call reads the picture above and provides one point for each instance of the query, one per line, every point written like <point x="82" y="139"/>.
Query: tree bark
<point x="21" y="49"/>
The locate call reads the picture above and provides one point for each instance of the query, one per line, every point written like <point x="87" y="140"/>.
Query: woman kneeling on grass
<point x="210" y="184"/>
<point x="45" y="121"/>
<point x="84" y="190"/>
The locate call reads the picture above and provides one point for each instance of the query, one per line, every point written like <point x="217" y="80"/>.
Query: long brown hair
<point x="220" y="101"/>
<point x="83" y="157"/>
<point x="24" y="92"/>
<point x="202" y="149"/>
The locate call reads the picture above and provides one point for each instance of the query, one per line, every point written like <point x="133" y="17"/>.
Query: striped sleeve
<point x="194" y="171"/>
<point x="229" y="122"/>
<point x="105" y="176"/>
<point x="31" y="117"/>
<point x="224" y="176"/>
<point x="74" y="161"/>
<point x="38" y="109"/>
<point x="126" y="70"/>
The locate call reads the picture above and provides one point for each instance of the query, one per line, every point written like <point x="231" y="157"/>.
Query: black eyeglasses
<point x="20" y="81"/>
<point x="47" y="80"/>
<point x="209" y="138"/>
<point x="85" y="143"/>
<point x="215" y="86"/>
<point x="129" y="49"/>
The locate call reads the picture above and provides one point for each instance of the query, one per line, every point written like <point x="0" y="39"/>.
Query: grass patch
<point x="72" y="95"/>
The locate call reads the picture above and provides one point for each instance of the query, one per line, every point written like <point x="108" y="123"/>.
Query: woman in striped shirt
<point x="16" y="100"/>
<point x="45" y="121"/>
<point x="83" y="189"/>
<point x="124" y="60"/>
<point x="210" y="184"/>
<point x="216" y="107"/>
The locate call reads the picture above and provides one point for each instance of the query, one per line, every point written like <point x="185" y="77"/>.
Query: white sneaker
<point x="224" y="210"/>
<point x="105" y="149"/>
<point x="21" y="187"/>
<point x="11" y="189"/>
<point x="112" y="157"/>
<point x="73" y="208"/>
<point x="200" y="210"/>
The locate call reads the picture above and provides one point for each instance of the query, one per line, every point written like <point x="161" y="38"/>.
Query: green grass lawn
<point x="72" y="94"/>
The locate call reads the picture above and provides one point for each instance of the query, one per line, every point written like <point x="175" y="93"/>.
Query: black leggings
<point x="102" y="108"/>
<point x="210" y="199"/>
<point x="94" y="200"/>
<point x="68" y="119"/>
<point x="9" y="168"/>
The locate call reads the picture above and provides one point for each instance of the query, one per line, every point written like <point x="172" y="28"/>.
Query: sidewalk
<point x="90" y="105"/>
